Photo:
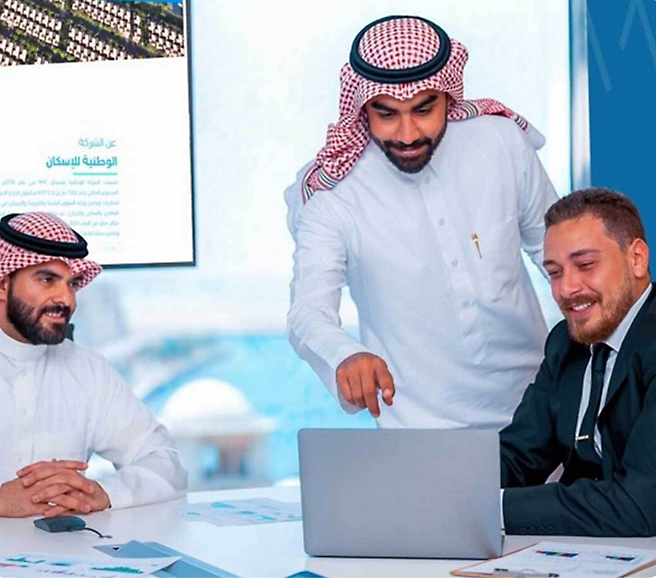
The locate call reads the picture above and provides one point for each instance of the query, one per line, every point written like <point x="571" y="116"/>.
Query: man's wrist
<point x="5" y="505"/>
<point x="118" y="495"/>
<point x="106" y="503"/>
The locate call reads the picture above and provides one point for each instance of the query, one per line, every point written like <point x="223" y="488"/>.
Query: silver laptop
<point x="401" y="493"/>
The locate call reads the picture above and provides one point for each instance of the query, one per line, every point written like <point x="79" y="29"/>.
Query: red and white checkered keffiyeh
<point x="396" y="44"/>
<point x="43" y="226"/>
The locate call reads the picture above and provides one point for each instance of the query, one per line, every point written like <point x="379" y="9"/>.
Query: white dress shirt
<point x="63" y="402"/>
<point x="459" y="325"/>
<point x="615" y="343"/>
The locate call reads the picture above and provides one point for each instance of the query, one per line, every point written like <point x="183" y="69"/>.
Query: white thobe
<point x="63" y="402"/>
<point x="433" y="262"/>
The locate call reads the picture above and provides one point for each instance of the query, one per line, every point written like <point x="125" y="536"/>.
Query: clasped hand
<point x="51" y="489"/>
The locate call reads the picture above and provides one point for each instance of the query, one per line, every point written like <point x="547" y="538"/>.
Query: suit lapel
<point x="616" y="380"/>
<point x="634" y="336"/>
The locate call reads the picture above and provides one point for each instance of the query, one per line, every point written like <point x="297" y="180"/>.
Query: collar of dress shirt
<point x="616" y="339"/>
<point x="19" y="351"/>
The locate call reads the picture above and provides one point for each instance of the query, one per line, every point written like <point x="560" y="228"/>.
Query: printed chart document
<point x="244" y="512"/>
<point x="35" y="565"/>
<point x="554" y="560"/>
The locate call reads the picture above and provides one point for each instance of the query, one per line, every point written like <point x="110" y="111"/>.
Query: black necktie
<point x="585" y="438"/>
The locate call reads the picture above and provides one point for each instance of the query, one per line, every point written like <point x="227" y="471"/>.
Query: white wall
<point x="265" y="82"/>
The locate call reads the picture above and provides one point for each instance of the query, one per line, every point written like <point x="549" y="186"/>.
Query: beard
<point x="414" y="164"/>
<point x="585" y="331"/>
<point x="29" y="325"/>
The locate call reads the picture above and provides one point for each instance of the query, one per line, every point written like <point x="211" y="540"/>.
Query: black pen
<point x="523" y="573"/>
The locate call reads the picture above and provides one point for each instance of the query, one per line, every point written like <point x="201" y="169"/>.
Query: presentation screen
<point x="95" y="109"/>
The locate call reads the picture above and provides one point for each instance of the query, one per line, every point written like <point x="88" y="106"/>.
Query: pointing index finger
<point x="370" y="393"/>
<point x="386" y="385"/>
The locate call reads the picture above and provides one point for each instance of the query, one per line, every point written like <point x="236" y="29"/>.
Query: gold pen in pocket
<point x="478" y="246"/>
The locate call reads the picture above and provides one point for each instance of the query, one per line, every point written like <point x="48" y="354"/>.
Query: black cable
<point x="78" y="529"/>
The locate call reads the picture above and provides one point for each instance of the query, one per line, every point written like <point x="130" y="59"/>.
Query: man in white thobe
<point x="451" y="331"/>
<point x="58" y="402"/>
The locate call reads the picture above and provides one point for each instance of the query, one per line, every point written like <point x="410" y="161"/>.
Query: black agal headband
<point x="76" y="250"/>
<point x="387" y="76"/>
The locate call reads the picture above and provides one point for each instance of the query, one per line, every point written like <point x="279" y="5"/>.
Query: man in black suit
<point x="592" y="407"/>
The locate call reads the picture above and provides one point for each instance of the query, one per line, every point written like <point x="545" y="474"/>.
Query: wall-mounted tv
<point x="95" y="109"/>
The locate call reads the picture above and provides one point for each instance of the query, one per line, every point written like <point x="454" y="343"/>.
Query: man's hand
<point x="359" y="378"/>
<point x="16" y="501"/>
<point x="59" y="483"/>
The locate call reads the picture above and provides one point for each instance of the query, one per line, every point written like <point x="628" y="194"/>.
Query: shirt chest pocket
<point x="69" y="445"/>
<point x="497" y="254"/>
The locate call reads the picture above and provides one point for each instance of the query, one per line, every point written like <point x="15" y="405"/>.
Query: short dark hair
<point x="619" y="214"/>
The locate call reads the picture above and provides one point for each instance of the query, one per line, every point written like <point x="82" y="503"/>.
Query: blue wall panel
<point x="622" y="76"/>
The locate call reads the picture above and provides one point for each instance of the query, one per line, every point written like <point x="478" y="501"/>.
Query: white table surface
<point x="264" y="550"/>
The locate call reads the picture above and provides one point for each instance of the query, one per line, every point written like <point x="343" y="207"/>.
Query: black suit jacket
<point x="622" y="502"/>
